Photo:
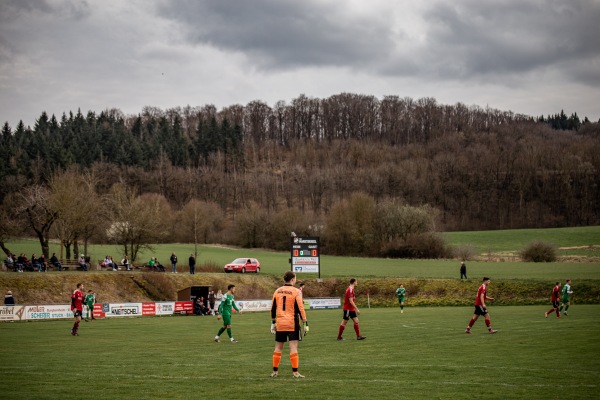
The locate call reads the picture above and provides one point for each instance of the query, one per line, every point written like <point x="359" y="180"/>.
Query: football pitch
<point x="421" y="354"/>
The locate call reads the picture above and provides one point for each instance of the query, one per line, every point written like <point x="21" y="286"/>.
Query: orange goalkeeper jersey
<point x="287" y="306"/>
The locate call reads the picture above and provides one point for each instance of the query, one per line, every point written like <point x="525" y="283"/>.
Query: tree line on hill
<point x="341" y="167"/>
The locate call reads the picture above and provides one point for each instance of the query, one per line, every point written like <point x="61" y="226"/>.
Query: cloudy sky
<point x="528" y="56"/>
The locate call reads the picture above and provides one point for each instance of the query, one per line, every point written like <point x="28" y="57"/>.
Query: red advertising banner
<point x="184" y="307"/>
<point x="97" y="312"/>
<point x="148" y="309"/>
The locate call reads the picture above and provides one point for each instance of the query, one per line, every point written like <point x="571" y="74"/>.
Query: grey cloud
<point x="70" y="9"/>
<point x="473" y="38"/>
<point x="282" y="34"/>
<point x="22" y="21"/>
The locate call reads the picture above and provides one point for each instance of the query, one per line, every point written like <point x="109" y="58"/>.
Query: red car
<point x="243" y="265"/>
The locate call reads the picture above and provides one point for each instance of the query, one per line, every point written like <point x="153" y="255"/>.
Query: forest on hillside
<point x="474" y="168"/>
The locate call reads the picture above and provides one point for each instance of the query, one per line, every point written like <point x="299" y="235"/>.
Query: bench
<point x="70" y="265"/>
<point x="9" y="266"/>
<point x="103" y="266"/>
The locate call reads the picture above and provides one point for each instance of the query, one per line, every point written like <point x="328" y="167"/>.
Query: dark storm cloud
<point x="472" y="38"/>
<point x="283" y="34"/>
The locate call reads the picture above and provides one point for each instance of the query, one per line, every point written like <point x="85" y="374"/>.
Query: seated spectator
<point x="82" y="262"/>
<point x="43" y="263"/>
<point x="20" y="264"/>
<point x="26" y="263"/>
<point x="158" y="265"/>
<point x="200" y="308"/>
<point x="109" y="263"/>
<point x="35" y="263"/>
<point x="10" y="263"/>
<point x="125" y="263"/>
<point x="55" y="262"/>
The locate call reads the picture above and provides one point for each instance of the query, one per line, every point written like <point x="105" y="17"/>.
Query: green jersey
<point x="227" y="303"/>
<point x="401" y="292"/>
<point x="566" y="291"/>
<point x="90" y="299"/>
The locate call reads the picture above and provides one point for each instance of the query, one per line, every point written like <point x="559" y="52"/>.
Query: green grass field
<point x="498" y="241"/>
<point x="421" y="354"/>
<point x="517" y="239"/>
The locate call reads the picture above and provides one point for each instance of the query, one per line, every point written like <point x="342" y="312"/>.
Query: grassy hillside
<point x="56" y="288"/>
<point x="428" y="281"/>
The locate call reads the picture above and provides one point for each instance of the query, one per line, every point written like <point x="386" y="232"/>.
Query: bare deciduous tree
<point x="135" y="222"/>
<point x="36" y="209"/>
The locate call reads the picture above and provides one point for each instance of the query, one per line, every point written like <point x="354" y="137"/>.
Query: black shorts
<point x="479" y="310"/>
<point x="77" y="313"/>
<point x="556" y="304"/>
<point x="285" y="336"/>
<point x="349" y="314"/>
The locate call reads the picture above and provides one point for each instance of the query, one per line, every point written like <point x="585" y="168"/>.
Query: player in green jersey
<point x="89" y="300"/>
<point x="565" y="300"/>
<point x="225" y="308"/>
<point x="401" y="293"/>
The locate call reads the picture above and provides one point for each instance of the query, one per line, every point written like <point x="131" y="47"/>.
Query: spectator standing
<point x="173" y="263"/>
<point x="77" y="307"/>
<point x="192" y="263"/>
<point x="55" y="262"/>
<point x="301" y="288"/>
<point x="90" y="300"/>
<point x="287" y="310"/>
<point x="219" y="298"/>
<point x="211" y="301"/>
<point x="463" y="270"/>
<point x="9" y="300"/>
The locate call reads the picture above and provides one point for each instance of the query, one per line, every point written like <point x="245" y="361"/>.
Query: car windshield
<point x="240" y="261"/>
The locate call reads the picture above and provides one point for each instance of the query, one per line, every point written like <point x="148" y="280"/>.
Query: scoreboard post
<point x="306" y="254"/>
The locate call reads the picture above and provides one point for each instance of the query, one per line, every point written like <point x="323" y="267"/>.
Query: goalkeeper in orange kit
<point x="287" y="311"/>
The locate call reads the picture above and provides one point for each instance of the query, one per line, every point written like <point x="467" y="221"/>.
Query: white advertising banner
<point x="254" y="305"/>
<point x="63" y="311"/>
<point x="11" y="313"/>
<point x="306" y="268"/>
<point x="124" y="310"/>
<point x="47" y="312"/>
<point x="165" y="308"/>
<point x="332" y="302"/>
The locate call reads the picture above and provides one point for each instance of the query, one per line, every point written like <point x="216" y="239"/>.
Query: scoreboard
<point x="306" y="255"/>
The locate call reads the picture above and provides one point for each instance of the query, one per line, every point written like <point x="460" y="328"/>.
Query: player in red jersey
<point x="350" y="311"/>
<point x="555" y="300"/>
<point x="480" y="307"/>
<point x="77" y="308"/>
